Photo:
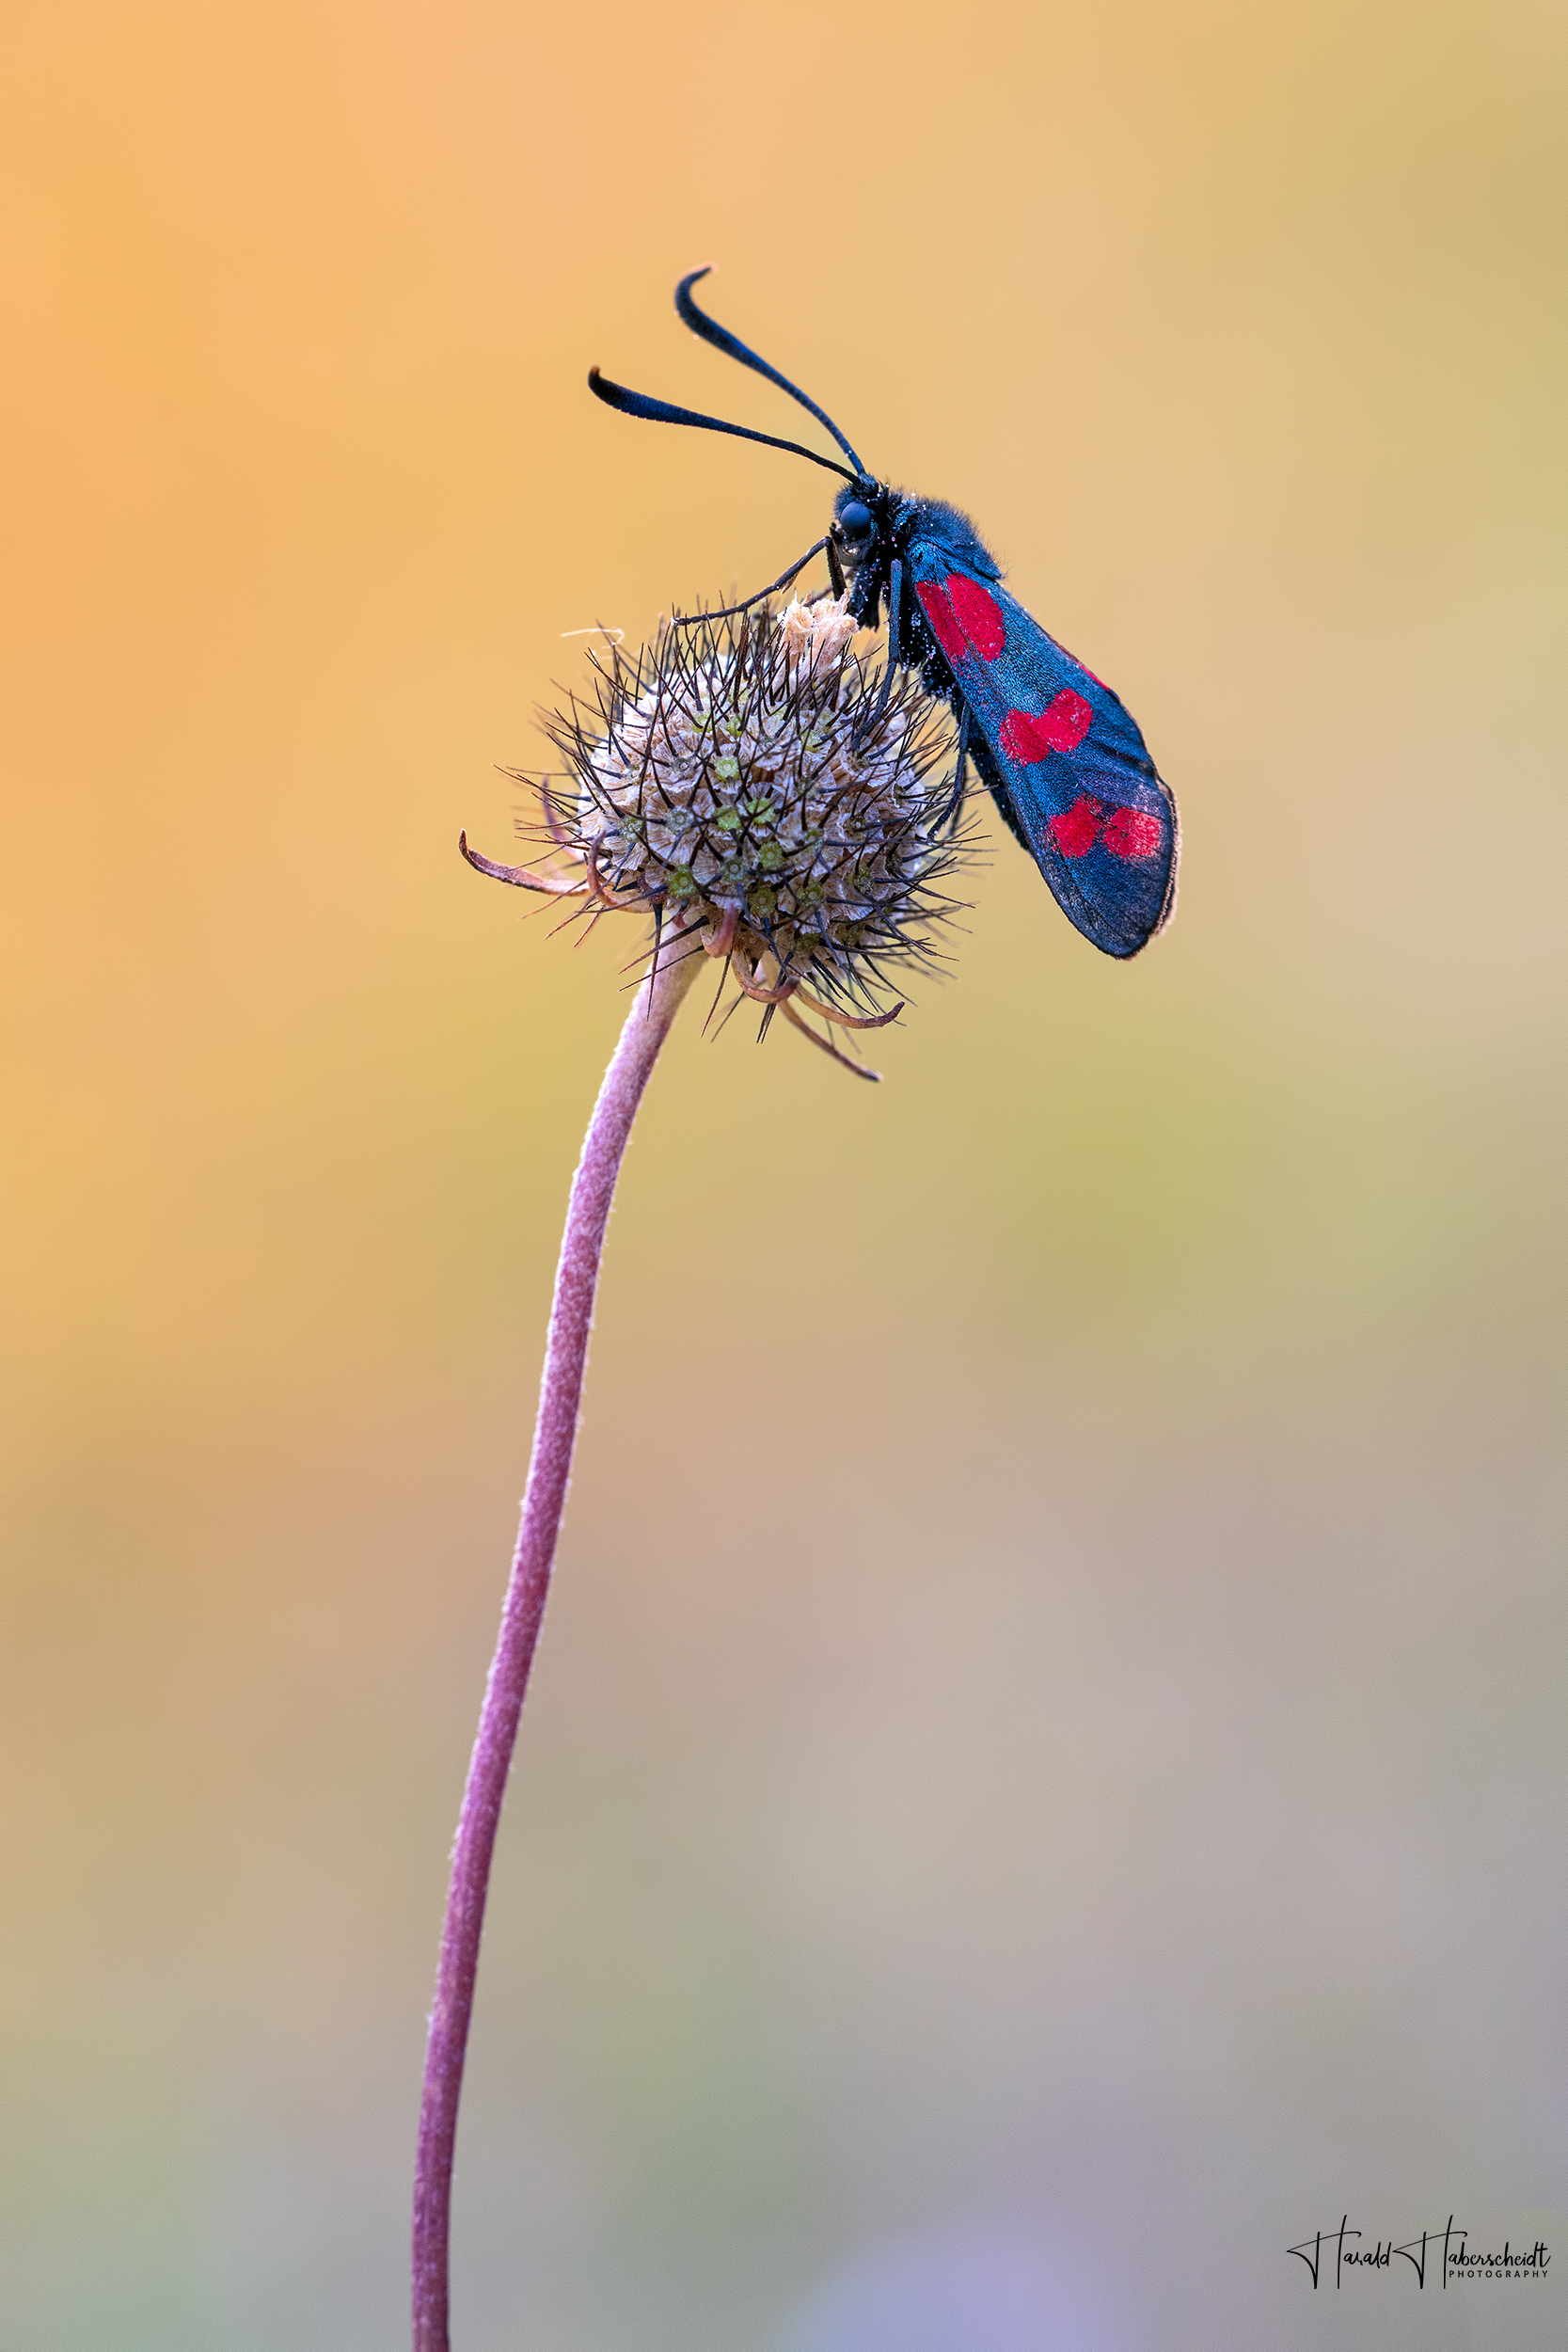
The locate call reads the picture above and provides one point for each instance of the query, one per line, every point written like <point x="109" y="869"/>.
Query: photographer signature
<point x="1451" y="2243"/>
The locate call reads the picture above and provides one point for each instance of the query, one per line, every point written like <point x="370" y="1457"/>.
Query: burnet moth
<point x="1062" y="756"/>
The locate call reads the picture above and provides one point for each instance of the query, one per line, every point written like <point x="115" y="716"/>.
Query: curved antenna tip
<point x="731" y="345"/>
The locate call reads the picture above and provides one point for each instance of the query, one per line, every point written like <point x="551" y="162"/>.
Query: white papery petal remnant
<point x="739" y="776"/>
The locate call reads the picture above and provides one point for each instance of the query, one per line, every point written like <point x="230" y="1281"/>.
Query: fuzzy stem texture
<point x="656" y="1002"/>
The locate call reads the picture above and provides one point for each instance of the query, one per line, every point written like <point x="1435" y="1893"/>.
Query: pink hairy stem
<point x="654" y="1009"/>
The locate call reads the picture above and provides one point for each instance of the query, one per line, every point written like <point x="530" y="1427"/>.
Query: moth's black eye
<point x="855" y="521"/>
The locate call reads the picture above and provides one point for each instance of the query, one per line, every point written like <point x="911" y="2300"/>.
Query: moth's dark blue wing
<point x="1081" y="786"/>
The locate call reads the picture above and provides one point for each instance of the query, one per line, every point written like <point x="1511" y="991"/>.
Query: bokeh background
<point x="1045" y="1778"/>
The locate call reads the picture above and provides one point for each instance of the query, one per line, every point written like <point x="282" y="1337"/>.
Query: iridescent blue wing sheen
<point x="1078" y="783"/>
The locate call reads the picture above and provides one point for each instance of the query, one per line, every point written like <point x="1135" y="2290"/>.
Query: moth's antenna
<point x="661" y="412"/>
<point x="721" y="339"/>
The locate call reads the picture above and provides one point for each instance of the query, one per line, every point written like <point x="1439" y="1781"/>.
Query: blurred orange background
<point x="1048" y="1741"/>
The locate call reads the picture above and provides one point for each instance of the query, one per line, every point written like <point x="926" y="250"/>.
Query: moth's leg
<point x="835" y="571"/>
<point x="728" y="611"/>
<point x="950" y="814"/>
<point x="895" y="596"/>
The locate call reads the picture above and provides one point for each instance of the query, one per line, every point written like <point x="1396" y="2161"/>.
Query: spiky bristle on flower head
<point x="744" y="780"/>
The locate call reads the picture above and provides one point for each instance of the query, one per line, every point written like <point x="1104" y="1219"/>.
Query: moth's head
<point x="855" y="527"/>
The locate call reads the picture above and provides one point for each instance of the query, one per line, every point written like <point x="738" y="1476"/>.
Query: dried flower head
<point x="767" y="797"/>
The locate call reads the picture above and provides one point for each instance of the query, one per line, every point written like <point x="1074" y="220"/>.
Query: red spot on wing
<point x="1017" y="738"/>
<point x="1029" y="735"/>
<point x="944" y="626"/>
<point x="1066" y="721"/>
<point x="1133" y="833"/>
<point x="1074" y="829"/>
<point x="979" y="615"/>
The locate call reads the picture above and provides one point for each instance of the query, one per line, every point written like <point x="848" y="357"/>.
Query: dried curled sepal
<point x="849" y="1020"/>
<point x="519" y="876"/>
<point x="825" y="1045"/>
